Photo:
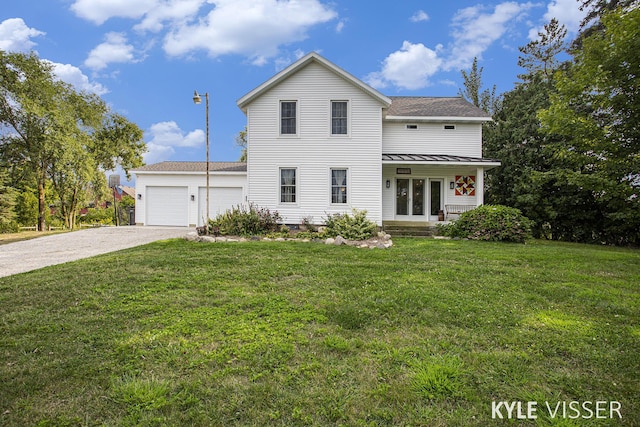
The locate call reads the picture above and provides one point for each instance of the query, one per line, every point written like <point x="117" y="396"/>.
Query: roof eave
<point x="434" y="119"/>
<point x="211" y="172"/>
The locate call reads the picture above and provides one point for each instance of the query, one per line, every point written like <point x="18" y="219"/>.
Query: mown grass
<point x="427" y="333"/>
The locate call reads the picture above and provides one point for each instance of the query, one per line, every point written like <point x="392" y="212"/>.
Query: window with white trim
<point x="288" y="117"/>
<point x="338" y="185"/>
<point x="339" y="112"/>
<point x="287" y="185"/>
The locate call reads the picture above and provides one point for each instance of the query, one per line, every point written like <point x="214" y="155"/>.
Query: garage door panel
<point x="167" y="206"/>
<point x="221" y="199"/>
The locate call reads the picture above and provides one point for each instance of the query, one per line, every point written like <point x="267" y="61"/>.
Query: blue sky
<point x="146" y="57"/>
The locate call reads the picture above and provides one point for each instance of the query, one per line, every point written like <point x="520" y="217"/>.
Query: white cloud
<point x="164" y="137"/>
<point x="419" y="16"/>
<point x="255" y="28"/>
<point x="567" y="12"/>
<point x="15" y="36"/>
<point x="408" y="68"/>
<point x="75" y="77"/>
<point x="114" y="49"/>
<point x="173" y="11"/>
<point x="99" y="11"/>
<point x="475" y="30"/>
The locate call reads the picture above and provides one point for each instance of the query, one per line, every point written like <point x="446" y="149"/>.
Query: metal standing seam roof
<point x="193" y="167"/>
<point x="434" y="158"/>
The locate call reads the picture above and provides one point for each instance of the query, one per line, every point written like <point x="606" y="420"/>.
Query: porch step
<point x="404" y="230"/>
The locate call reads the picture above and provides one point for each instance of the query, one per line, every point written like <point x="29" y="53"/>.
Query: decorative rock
<point x="381" y="242"/>
<point x="191" y="237"/>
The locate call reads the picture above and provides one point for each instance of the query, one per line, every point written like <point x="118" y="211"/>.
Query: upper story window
<point x="339" y="111"/>
<point x="287" y="185"/>
<point x="288" y="117"/>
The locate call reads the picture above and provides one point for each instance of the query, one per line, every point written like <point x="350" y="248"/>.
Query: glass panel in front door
<point x="436" y="197"/>
<point x="418" y="197"/>
<point x="402" y="197"/>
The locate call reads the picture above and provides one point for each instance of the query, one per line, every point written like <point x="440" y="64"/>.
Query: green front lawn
<point x="429" y="332"/>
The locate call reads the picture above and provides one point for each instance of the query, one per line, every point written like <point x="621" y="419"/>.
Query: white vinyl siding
<point x="432" y="138"/>
<point x="221" y="199"/>
<point x="315" y="150"/>
<point x="226" y="189"/>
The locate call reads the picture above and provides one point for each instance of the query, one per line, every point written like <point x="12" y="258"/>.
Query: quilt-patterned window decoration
<point x="465" y="185"/>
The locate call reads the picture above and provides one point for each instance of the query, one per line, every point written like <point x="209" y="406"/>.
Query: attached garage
<point x="167" y="206"/>
<point x="221" y="199"/>
<point x="174" y="193"/>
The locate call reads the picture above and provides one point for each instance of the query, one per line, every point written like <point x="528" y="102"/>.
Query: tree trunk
<point x="41" y="206"/>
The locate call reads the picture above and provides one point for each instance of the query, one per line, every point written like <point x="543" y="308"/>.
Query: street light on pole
<point x="198" y="100"/>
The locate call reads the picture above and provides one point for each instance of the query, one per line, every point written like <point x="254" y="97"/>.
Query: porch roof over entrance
<point x="439" y="159"/>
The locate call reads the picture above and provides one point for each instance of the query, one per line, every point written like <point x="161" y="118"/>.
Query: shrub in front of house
<point x="350" y="227"/>
<point x="245" y="221"/>
<point x="492" y="223"/>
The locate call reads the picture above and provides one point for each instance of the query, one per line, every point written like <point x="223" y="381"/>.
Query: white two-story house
<point x="321" y="141"/>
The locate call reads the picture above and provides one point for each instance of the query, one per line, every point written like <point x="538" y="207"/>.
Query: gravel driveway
<point x="54" y="249"/>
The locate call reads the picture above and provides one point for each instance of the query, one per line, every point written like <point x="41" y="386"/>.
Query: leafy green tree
<point x="472" y="81"/>
<point x="514" y="137"/>
<point x="241" y="141"/>
<point x="540" y="56"/>
<point x="27" y="207"/>
<point x="59" y="136"/>
<point x="7" y="198"/>
<point x="595" y="10"/>
<point x="596" y="108"/>
<point x="27" y="109"/>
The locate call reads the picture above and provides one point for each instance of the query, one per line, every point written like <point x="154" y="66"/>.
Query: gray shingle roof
<point x="193" y="167"/>
<point x="421" y="106"/>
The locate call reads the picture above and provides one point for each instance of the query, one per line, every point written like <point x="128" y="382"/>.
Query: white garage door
<point x="167" y="206"/>
<point x="220" y="200"/>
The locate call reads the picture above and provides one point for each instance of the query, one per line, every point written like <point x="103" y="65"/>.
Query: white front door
<point x="410" y="199"/>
